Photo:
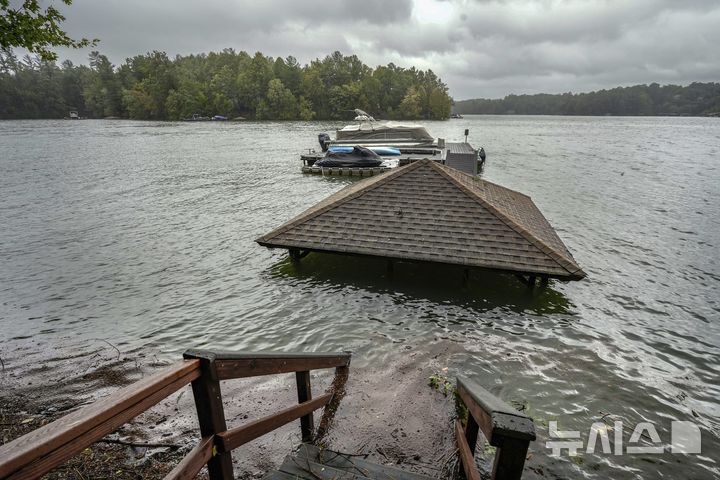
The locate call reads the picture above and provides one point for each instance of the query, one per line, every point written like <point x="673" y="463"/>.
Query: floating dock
<point x="461" y="156"/>
<point x="345" y="171"/>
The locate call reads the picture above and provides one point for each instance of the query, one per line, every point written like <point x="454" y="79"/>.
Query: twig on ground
<point x="139" y="444"/>
<point x="113" y="346"/>
<point x="381" y="452"/>
<point x="447" y="460"/>
<point x="177" y="401"/>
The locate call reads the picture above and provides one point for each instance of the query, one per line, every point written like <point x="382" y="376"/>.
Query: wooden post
<point x="307" y="422"/>
<point x="296" y="254"/>
<point x="342" y="371"/>
<point x="471" y="432"/>
<point x="211" y="415"/>
<point x="510" y="459"/>
<point x="531" y="280"/>
<point x="390" y="268"/>
<point x="544" y="281"/>
<point x="505" y="428"/>
<point x="466" y="276"/>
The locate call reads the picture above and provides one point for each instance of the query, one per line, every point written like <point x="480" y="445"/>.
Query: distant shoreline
<point x="694" y="100"/>
<point x="711" y="115"/>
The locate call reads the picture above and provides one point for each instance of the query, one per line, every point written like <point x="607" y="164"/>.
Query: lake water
<point x="142" y="233"/>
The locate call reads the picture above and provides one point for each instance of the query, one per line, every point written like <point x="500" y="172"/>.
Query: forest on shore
<point x="694" y="100"/>
<point x="229" y="83"/>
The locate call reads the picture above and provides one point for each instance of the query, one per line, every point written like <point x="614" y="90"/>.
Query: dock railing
<point x="504" y="427"/>
<point x="41" y="450"/>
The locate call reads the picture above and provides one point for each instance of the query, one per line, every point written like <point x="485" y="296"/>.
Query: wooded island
<point x="229" y="83"/>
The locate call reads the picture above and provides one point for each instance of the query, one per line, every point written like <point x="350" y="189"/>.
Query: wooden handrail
<point x="503" y="426"/>
<point x="41" y="450"/>
<point x="235" y="437"/>
<point x="223" y="365"/>
<point x="231" y="365"/>
<point x="466" y="453"/>
<point x="193" y="462"/>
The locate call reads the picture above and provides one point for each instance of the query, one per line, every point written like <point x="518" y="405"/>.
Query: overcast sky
<point x="480" y="48"/>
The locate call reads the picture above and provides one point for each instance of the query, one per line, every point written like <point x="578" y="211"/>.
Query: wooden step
<point x="304" y="468"/>
<point x="355" y="464"/>
<point x="278" y="475"/>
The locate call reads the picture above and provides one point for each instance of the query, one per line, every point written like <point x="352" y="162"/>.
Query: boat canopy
<point x="383" y="131"/>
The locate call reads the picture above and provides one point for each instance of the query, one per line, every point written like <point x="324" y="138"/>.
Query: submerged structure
<point x="429" y="212"/>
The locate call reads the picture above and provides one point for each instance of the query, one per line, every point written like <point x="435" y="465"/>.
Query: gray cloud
<point x="485" y="48"/>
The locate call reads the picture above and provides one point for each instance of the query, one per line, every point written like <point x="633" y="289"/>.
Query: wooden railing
<point x="504" y="427"/>
<point x="41" y="450"/>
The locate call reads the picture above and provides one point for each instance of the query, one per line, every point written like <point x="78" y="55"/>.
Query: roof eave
<point x="577" y="275"/>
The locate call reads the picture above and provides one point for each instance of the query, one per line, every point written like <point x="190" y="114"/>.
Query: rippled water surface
<point x="143" y="233"/>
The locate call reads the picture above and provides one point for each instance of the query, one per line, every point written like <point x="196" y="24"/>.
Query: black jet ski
<point x="358" y="157"/>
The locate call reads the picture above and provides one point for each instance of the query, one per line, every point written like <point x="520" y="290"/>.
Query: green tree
<point x="34" y="29"/>
<point x="440" y="104"/>
<point x="138" y="102"/>
<point x="252" y="82"/>
<point x="102" y="92"/>
<point x="305" y="111"/>
<point x="279" y="102"/>
<point x="411" y="105"/>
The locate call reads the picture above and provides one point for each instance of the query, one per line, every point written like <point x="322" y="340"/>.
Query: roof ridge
<point x="379" y="181"/>
<point x="570" y="266"/>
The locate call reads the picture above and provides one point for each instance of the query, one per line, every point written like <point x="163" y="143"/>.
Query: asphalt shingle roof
<point x="426" y="211"/>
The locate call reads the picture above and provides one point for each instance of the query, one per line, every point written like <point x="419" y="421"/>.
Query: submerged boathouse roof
<point x="426" y="211"/>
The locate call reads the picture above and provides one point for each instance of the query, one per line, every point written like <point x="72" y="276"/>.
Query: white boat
<point x="369" y="132"/>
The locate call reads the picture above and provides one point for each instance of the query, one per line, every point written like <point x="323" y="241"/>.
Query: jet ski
<point x="357" y="157"/>
<point x="382" y="151"/>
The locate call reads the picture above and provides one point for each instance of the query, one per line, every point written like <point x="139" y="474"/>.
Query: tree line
<point x="229" y="83"/>
<point x="694" y="99"/>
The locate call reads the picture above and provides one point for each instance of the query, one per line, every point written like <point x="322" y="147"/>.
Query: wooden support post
<point x="296" y="254"/>
<point x="531" y="280"/>
<point x="211" y="415"/>
<point x="466" y="276"/>
<point x="544" y="281"/>
<point x="307" y="422"/>
<point x="471" y="432"/>
<point x="342" y="371"/>
<point x="390" y="268"/>
<point x="505" y="428"/>
<point x="510" y="459"/>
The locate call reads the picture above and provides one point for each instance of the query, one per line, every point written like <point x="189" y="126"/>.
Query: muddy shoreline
<point x="388" y="413"/>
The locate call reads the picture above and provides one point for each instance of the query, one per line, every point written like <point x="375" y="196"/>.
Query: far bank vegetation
<point x="642" y="100"/>
<point x="229" y="83"/>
